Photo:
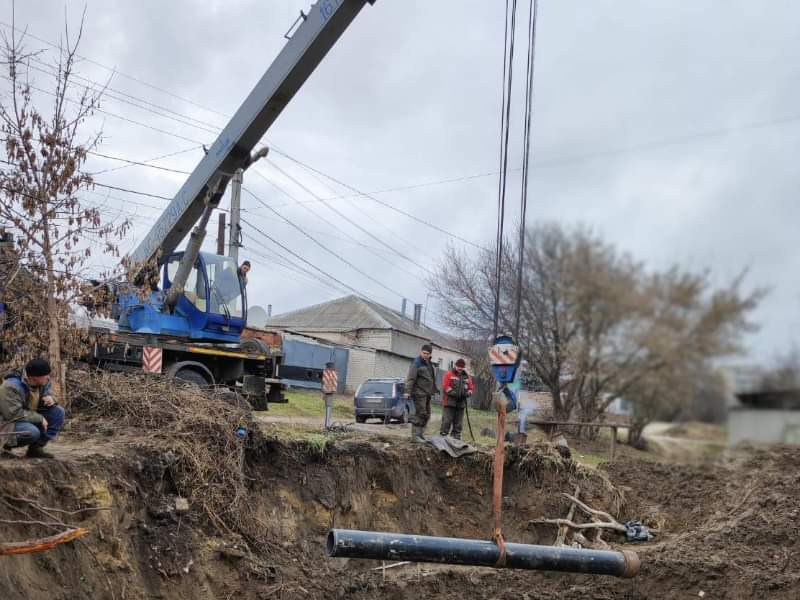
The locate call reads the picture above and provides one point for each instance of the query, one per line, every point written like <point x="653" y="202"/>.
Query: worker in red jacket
<point x="458" y="387"/>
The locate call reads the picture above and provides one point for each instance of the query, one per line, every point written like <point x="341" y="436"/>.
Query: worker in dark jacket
<point x="458" y="387"/>
<point x="420" y="386"/>
<point x="28" y="410"/>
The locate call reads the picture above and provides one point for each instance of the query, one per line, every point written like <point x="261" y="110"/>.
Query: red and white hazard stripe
<point x="330" y="381"/>
<point x="503" y="354"/>
<point x="151" y="359"/>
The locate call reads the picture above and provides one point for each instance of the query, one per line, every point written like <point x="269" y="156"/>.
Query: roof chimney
<point x="403" y="307"/>
<point x="417" y="314"/>
<point x="269" y="310"/>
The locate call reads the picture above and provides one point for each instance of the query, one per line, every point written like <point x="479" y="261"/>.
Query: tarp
<point x="453" y="447"/>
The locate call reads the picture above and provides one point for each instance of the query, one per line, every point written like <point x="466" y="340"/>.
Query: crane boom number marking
<point x="328" y="7"/>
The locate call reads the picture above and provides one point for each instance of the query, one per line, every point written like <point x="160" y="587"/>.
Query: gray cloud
<point x="411" y="94"/>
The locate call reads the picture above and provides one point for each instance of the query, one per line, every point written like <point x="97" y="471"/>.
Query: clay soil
<point x="727" y="529"/>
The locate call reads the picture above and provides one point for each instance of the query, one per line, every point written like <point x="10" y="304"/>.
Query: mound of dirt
<point x="726" y="530"/>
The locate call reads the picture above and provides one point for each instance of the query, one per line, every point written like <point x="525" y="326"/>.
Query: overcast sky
<point x="672" y="128"/>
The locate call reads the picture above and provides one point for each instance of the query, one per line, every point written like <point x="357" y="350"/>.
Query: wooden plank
<point x="579" y="424"/>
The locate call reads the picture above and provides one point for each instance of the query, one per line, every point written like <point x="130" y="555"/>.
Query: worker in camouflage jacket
<point x="458" y="387"/>
<point x="420" y="386"/>
<point x="29" y="414"/>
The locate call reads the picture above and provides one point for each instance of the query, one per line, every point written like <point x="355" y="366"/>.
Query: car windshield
<point x="375" y="389"/>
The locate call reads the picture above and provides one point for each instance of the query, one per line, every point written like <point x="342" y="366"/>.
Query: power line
<point x="362" y="213"/>
<point x="313" y="266"/>
<point x="349" y="220"/>
<point x="347" y="239"/>
<point x="114" y="70"/>
<point x="304" y="206"/>
<point x="130" y="191"/>
<point x="116" y="116"/>
<point x="323" y="246"/>
<point x="137" y="163"/>
<point x="145" y="163"/>
<point x="278" y="260"/>
<point x="107" y="91"/>
<point x="366" y="195"/>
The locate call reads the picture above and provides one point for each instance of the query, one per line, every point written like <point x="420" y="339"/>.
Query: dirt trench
<point x="728" y="530"/>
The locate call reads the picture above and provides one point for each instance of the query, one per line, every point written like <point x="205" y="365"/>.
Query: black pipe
<point x="420" y="548"/>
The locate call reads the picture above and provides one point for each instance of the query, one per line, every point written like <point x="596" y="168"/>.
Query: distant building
<point x="381" y="342"/>
<point x="765" y="417"/>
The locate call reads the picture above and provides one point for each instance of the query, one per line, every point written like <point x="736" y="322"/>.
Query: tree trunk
<point x="54" y="351"/>
<point x="636" y="434"/>
<point x="560" y="412"/>
<point x="53" y="325"/>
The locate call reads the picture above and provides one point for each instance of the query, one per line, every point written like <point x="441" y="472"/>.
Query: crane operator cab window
<point x="195" y="288"/>
<point x="225" y="288"/>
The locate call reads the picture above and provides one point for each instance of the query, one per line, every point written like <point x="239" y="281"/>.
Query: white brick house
<point x="382" y="341"/>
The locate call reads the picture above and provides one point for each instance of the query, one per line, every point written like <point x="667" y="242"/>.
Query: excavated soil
<point x="727" y="530"/>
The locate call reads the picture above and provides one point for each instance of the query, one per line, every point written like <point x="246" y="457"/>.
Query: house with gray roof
<point x="382" y="341"/>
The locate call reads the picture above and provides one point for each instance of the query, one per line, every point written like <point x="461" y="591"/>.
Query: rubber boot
<point x="416" y="435"/>
<point x="37" y="451"/>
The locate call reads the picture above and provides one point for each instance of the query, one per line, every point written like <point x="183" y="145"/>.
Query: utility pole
<point x="221" y="235"/>
<point x="235" y="228"/>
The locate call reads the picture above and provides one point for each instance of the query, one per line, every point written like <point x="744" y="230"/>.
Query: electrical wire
<point x="348" y="219"/>
<point x="115" y="70"/>
<point x="303" y="260"/>
<point x="369" y="196"/>
<point x="323" y="246"/>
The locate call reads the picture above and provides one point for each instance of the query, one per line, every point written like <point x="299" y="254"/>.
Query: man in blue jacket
<point x="29" y="414"/>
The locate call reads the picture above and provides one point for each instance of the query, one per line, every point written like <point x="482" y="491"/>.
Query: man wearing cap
<point x="28" y="410"/>
<point x="420" y="386"/>
<point x="458" y="387"/>
<point x="242" y="272"/>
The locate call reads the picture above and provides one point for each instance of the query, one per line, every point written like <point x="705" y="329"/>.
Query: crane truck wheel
<point x="192" y="376"/>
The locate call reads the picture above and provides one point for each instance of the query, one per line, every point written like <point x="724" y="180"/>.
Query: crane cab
<point x="213" y="305"/>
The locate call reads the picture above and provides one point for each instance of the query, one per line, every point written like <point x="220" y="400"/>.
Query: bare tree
<point x="595" y="325"/>
<point x="55" y="232"/>
<point x="784" y="376"/>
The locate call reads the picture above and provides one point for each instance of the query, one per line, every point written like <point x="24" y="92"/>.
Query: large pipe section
<point x="349" y="543"/>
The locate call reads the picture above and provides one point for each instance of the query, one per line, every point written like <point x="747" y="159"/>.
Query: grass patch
<point x="589" y="460"/>
<point x="308" y="403"/>
<point x="706" y="432"/>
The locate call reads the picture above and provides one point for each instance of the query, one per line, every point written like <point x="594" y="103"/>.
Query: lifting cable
<point x="499" y="459"/>
<point x="505" y="117"/>
<point x="534" y="10"/>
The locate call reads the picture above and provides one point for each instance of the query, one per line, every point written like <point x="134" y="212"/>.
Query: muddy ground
<point x="727" y="529"/>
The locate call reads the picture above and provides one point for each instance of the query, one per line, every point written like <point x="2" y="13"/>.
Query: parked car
<point x="382" y="399"/>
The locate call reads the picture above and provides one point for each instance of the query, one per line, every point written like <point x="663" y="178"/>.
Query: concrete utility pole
<point x="221" y="234"/>
<point x="236" y="203"/>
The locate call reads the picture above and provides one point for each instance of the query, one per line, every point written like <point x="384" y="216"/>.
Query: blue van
<point x="382" y="399"/>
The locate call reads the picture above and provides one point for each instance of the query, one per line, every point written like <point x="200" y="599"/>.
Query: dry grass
<point x="189" y="435"/>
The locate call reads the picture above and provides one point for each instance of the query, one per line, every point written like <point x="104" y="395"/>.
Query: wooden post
<point x="613" y="442"/>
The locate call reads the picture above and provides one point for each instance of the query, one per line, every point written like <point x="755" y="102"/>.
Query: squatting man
<point x="29" y="413"/>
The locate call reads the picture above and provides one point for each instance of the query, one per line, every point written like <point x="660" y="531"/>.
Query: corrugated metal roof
<point x="351" y="313"/>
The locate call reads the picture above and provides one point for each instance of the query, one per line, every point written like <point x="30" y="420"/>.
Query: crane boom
<point x="316" y="35"/>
